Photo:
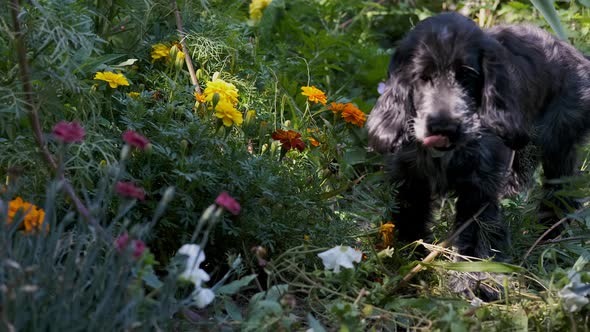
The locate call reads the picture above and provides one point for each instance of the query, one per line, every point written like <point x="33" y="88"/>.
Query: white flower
<point x="574" y="293"/>
<point x="197" y="276"/>
<point x="203" y="297"/>
<point x="195" y="254"/>
<point x="339" y="256"/>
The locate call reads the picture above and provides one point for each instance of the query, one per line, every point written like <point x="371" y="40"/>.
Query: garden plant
<point x="202" y="165"/>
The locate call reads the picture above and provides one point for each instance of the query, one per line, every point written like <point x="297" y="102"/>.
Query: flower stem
<point x="31" y="108"/>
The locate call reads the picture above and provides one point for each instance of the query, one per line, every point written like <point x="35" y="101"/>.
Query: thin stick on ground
<point x="445" y="244"/>
<point x="187" y="56"/>
<point x="549" y="230"/>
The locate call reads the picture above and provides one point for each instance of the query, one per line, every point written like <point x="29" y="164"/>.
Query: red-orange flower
<point x="337" y="107"/>
<point x="313" y="141"/>
<point x="289" y="139"/>
<point x="354" y="115"/>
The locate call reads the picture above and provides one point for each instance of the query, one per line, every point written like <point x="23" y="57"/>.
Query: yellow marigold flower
<point x="226" y="91"/>
<point x="225" y="111"/>
<point x="314" y="94"/>
<point x="386" y="232"/>
<point x="133" y="94"/>
<point x="113" y="79"/>
<point x="352" y="114"/>
<point x="256" y="8"/>
<point x="336" y="107"/>
<point x="33" y="216"/>
<point x="160" y="51"/>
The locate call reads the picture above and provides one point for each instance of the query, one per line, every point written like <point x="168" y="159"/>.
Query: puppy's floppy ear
<point x="500" y="109"/>
<point x="388" y="122"/>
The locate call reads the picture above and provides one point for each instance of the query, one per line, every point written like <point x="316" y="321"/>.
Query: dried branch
<point x="187" y="56"/>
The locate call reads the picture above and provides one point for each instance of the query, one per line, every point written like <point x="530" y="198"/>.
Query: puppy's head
<point x="448" y="82"/>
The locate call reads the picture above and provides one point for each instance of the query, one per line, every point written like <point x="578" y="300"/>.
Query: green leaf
<point x="234" y="286"/>
<point x="273" y="294"/>
<point x="355" y="155"/>
<point x="518" y="5"/>
<point x="548" y="10"/>
<point x="152" y="280"/>
<point x="232" y="310"/>
<point x="477" y="266"/>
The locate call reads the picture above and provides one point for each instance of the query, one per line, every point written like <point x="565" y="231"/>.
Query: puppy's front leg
<point x="487" y="236"/>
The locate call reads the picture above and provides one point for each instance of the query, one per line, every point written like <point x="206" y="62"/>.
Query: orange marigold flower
<point x="386" y="232"/>
<point x="314" y="94"/>
<point x="199" y="97"/>
<point x="33" y="216"/>
<point x="354" y="115"/>
<point x="313" y="141"/>
<point x="289" y="139"/>
<point x="337" y="107"/>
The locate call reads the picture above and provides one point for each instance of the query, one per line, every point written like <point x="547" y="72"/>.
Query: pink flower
<point x="121" y="242"/>
<point x="138" y="248"/>
<point x="69" y="132"/>
<point x="229" y="203"/>
<point x="135" y="140"/>
<point x="128" y="189"/>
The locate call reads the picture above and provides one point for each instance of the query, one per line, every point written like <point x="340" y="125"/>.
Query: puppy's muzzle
<point x="442" y="132"/>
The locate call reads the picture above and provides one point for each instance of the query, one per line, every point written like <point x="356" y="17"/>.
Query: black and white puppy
<point x="459" y="100"/>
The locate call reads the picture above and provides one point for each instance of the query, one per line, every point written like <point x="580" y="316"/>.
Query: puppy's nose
<point x="442" y="124"/>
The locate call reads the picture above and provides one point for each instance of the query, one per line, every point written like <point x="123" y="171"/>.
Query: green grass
<point x="262" y="262"/>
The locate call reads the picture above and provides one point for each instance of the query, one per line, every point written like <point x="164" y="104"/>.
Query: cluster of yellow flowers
<point x="256" y="8"/>
<point x="33" y="215"/>
<point x="222" y="97"/>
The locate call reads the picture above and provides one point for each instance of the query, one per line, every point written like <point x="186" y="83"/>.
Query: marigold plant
<point x="257" y="7"/>
<point x="354" y="115"/>
<point x="228" y="114"/>
<point x="386" y="233"/>
<point x="33" y="215"/>
<point x="113" y="79"/>
<point x="160" y="52"/>
<point x="336" y="107"/>
<point x="314" y="94"/>
<point x="225" y="91"/>
<point x="289" y="139"/>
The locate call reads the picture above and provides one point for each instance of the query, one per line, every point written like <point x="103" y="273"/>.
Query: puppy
<point x="473" y="112"/>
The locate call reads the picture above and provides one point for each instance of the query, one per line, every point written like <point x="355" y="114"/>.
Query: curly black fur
<point x="458" y="101"/>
